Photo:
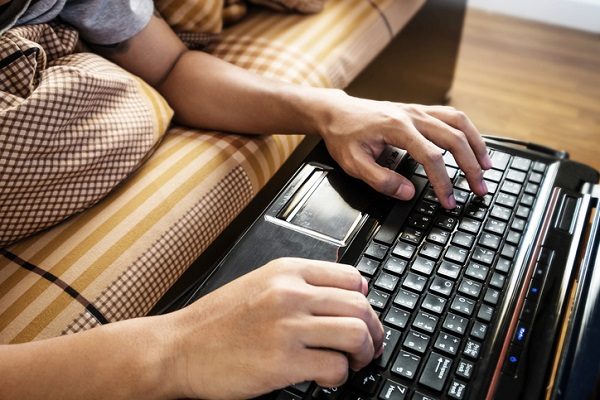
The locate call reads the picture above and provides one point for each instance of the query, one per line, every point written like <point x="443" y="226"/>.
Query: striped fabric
<point x="115" y="260"/>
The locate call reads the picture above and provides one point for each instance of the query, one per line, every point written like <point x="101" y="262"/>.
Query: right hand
<point x="292" y="320"/>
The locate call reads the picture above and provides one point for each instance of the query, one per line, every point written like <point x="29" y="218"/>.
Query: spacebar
<point x="400" y="211"/>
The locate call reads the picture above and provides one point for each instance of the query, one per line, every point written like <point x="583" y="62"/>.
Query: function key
<point x="521" y="163"/>
<point x="393" y="391"/>
<point x="539" y="166"/>
<point x="500" y="160"/>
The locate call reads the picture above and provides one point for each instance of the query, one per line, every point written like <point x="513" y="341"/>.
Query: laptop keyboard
<point x="436" y="280"/>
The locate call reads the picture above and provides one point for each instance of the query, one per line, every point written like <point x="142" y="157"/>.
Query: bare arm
<point x="206" y="92"/>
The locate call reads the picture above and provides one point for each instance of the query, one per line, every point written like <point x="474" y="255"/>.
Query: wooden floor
<point x="531" y="81"/>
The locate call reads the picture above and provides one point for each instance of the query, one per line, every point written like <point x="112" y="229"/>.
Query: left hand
<point x="356" y="131"/>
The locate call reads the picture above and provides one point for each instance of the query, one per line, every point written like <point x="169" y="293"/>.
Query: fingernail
<point x="483" y="187"/>
<point x="365" y="286"/>
<point x="487" y="162"/>
<point x="451" y="201"/>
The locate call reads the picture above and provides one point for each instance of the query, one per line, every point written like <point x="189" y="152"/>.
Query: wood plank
<point x="531" y="81"/>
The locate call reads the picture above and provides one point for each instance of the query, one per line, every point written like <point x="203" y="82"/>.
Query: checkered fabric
<point x="117" y="258"/>
<point x="72" y="126"/>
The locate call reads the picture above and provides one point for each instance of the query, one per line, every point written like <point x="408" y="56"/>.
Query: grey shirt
<point x="101" y="22"/>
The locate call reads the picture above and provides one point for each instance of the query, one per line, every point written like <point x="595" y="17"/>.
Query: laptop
<point x="496" y="299"/>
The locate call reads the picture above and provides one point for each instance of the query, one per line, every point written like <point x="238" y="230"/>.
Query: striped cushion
<point x="116" y="260"/>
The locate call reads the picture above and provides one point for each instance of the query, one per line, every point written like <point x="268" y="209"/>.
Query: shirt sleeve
<point x="107" y="22"/>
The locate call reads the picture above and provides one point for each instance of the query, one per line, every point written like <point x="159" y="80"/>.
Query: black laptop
<point x="496" y="299"/>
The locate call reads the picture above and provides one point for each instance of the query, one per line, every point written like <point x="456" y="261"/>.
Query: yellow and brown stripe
<point x="125" y="252"/>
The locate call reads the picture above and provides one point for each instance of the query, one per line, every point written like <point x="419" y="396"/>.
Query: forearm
<point x="207" y="92"/>
<point x="124" y="360"/>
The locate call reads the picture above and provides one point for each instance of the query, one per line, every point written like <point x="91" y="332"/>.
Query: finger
<point x="382" y="179"/>
<point x="343" y="303"/>
<point x="431" y="156"/>
<point x="330" y="274"/>
<point x="347" y="335"/>
<point x="459" y="120"/>
<point x="327" y="368"/>
<point x="456" y="142"/>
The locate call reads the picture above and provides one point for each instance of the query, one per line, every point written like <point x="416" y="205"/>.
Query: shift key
<point x="435" y="372"/>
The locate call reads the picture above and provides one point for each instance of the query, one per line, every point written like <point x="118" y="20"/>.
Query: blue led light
<point x="521" y="333"/>
<point x="534" y="290"/>
<point x="513" y="359"/>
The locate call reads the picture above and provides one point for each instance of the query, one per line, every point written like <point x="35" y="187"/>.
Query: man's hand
<point x="290" y="321"/>
<point x="357" y="130"/>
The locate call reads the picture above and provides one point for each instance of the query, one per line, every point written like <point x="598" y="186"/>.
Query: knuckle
<point x="338" y="372"/>
<point x="359" y="337"/>
<point x="457" y="139"/>
<point x="434" y="156"/>
<point x="460" y="118"/>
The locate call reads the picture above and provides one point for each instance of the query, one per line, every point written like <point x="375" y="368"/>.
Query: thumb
<point x="382" y="179"/>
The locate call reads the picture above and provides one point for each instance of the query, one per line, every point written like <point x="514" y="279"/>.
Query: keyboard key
<point x="455" y="323"/>
<point x="419" y="221"/>
<point x="416" y="341"/>
<point x="513" y="237"/>
<point x="492" y="186"/>
<point x="463" y="305"/>
<point x="475" y="212"/>
<point x="457" y="390"/>
<point x="446" y="222"/>
<point x="421" y="396"/>
<point x="490" y="240"/>
<point x="431" y="250"/>
<point x="456" y="254"/>
<point x="464" y="369"/>
<point x="430" y="195"/>
<point x="393" y="391"/>
<point x="491" y="296"/>
<point x="521" y="163"/>
<point x="484" y="201"/>
<point x="376" y="250"/>
<point x="539" y="166"/>
<point x="472" y="349"/>
<point x="438" y="235"/>
<point x="462" y="183"/>
<point x="503" y="265"/>
<point x="535" y="177"/>
<point x="455" y="212"/>
<point x="523" y="211"/>
<point x="434" y="304"/>
<point x="397" y="317"/>
<point x="500" y="160"/>
<point x="479" y="330"/>
<point x="486" y="312"/>
<point x="469" y="225"/>
<point x="435" y="372"/>
<point x="404" y="250"/>
<point x="301" y="387"/>
<point x="386" y="281"/>
<point x="322" y="393"/>
<point x="441" y="286"/>
<point x="477" y="271"/>
<point x="449" y="160"/>
<point x="425" y="322"/>
<point x="414" y="282"/>
<point x="497" y="280"/>
<point x="493" y="175"/>
<point x="406" y="299"/>
<point x="463" y="239"/>
<point x="470" y="288"/>
<point x="495" y="226"/>
<point x="390" y="341"/>
<point x="411" y="235"/>
<point x="449" y="270"/>
<point x="511" y="187"/>
<point x="506" y="199"/>
<point x="365" y="381"/>
<point x="461" y="196"/>
<point x="406" y="364"/>
<point x="378" y="299"/>
<point x="515" y="175"/>
<point x="508" y="251"/>
<point x="482" y="255"/>
<point x="395" y="265"/>
<point x="527" y="199"/>
<point x="367" y="266"/>
<point x="501" y="213"/>
<point x="532" y="188"/>
<point x="518" y="224"/>
<point x="447" y="343"/>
